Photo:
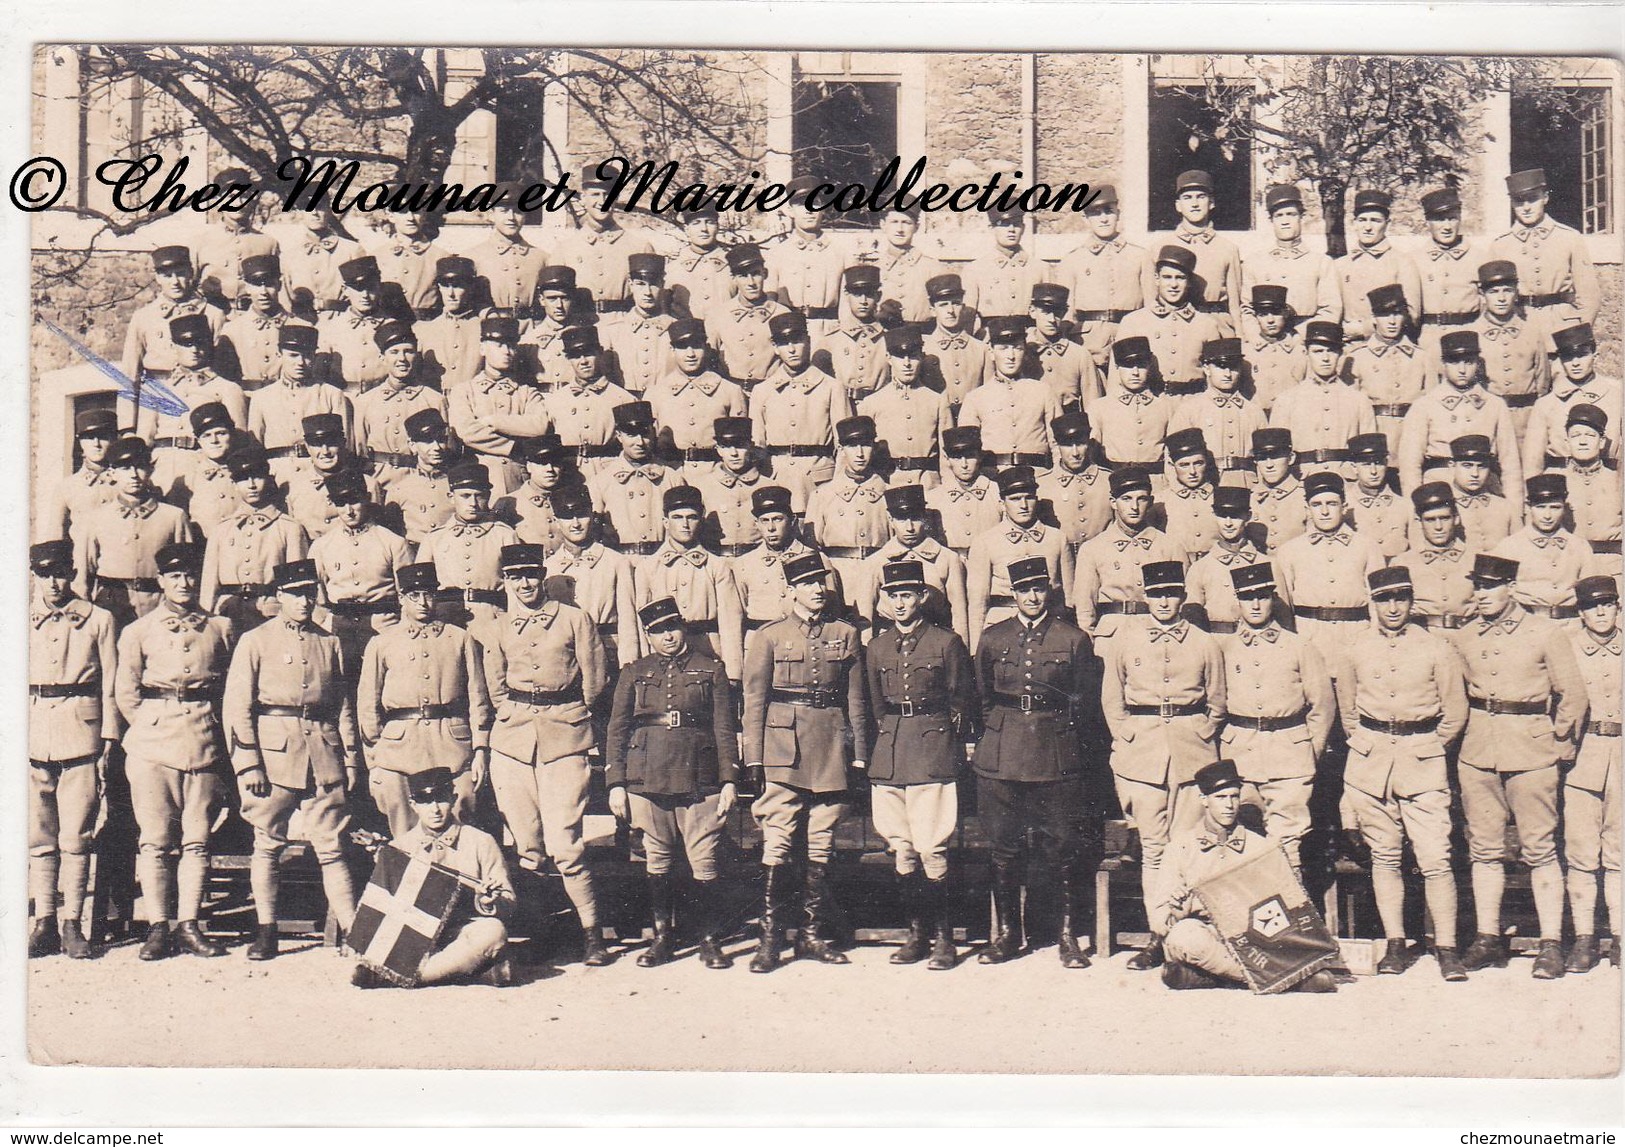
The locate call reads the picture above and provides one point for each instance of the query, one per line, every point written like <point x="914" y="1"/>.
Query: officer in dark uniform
<point x="1038" y="677"/>
<point x="922" y="692"/>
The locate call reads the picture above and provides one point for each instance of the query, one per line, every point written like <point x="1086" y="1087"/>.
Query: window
<point x="521" y="148"/>
<point x="1184" y="130"/>
<point x="844" y="131"/>
<point x="1569" y="133"/>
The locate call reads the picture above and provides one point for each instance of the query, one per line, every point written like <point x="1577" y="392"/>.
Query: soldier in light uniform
<point x="597" y="580"/>
<point x="687" y="402"/>
<point x="1000" y="281"/>
<point x="1545" y="444"/>
<point x="1374" y="262"/>
<point x="805" y="266"/>
<point x="73" y="724"/>
<point x="599" y="246"/>
<point x="1038" y="678"/>
<point x="1130" y="420"/>
<point x="1209" y="590"/>
<point x="966" y="504"/>
<point x="1486" y="517"/>
<point x="630" y="486"/>
<point x="203" y="488"/>
<point x="909" y="416"/>
<point x="672" y="766"/>
<point x="381" y="413"/>
<point x="1322" y="573"/>
<point x="1076" y="492"/>
<point x="1177" y="322"/>
<point x="327" y="456"/>
<point x="348" y="355"/>
<point x="194" y="382"/>
<point x="1012" y="410"/>
<point x="764" y="593"/>
<point x="1375" y="510"/>
<point x="1591" y="818"/>
<point x="116" y="552"/>
<point x="740" y="335"/>
<point x="1021" y="534"/>
<point x="1439" y="561"/>
<point x="639" y="351"/>
<point x="1184" y="494"/>
<point x="701" y="582"/>
<point x="806" y="718"/>
<point x="466" y="549"/>
<point x="1279" y="710"/>
<point x="1310" y="278"/>
<point x="359" y="561"/>
<point x="956" y="361"/>
<point x="1278" y="504"/>
<point x="1103" y="275"/>
<point x="247" y="348"/>
<point x="1164" y="699"/>
<point x="582" y="404"/>
<point x="1514" y="344"/>
<point x="1321" y="412"/>
<point x="942" y="589"/>
<point x="1458" y="405"/>
<point x="232" y="241"/>
<point x="1403" y="702"/>
<point x="1449" y="266"/>
<point x="727" y="489"/>
<point x="853" y="349"/>
<point x="421" y="702"/>
<point x="1550" y="558"/>
<point x="846" y="516"/>
<point x="1554" y="267"/>
<point x="172" y="667"/>
<point x="244" y="551"/>
<point x="1594" y="489"/>
<point x="1527" y="699"/>
<point x="494" y="409"/>
<point x="1388" y="368"/>
<point x="904" y="267"/>
<point x="508" y="262"/>
<point x="922" y="692"/>
<point x="277" y="411"/>
<point x="1225" y="416"/>
<point x="545" y="668"/>
<point x="291" y="730"/>
<point x="1276" y="359"/>
<point x="92" y="484"/>
<point x="795" y="410"/>
<point x="147" y="345"/>
<point x="420" y="499"/>
<point x="1053" y="355"/>
<point x="311" y="265"/>
<point x="450" y="342"/>
<point x="697" y="278"/>
<point x="1108" y="585"/>
<point x="1216" y="268"/>
<point x="541" y="346"/>
<point x="530" y="509"/>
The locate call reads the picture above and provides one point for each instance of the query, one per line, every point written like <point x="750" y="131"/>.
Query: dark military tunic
<point x="922" y="691"/>
<point x="671" y="731"/>
<point x="1039" y="684"/>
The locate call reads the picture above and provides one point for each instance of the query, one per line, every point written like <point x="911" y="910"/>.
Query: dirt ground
<point x="1027" y="1016"/>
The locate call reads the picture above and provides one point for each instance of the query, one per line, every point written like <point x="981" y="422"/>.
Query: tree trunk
<point x="1333" y="195"/>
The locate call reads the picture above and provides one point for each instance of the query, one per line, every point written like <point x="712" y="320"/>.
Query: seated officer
<point x="477" y="938"/>
<point x="672" y="765"/>
<point x="1197" y="956"/>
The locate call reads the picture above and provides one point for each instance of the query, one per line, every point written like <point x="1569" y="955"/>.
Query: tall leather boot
<point x="767" y="950"/>
<point x="43" y="937"/>
<point x="711" y="925"/>
<point x="918" y="945"/>
<point x="812" y="942"/>
<point x="943" y="954"/>
<point x="660" y="906"/>
<point x="1005" y="943"/>
<point x="1072" y="955"/>
<point x="264" y="946"/>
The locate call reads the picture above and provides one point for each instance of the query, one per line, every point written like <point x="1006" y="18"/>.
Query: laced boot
<point x="43" y="938"/>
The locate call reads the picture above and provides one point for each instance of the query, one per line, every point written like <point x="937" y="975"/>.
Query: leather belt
<point x="1605" y="728"/>
<point x="1000" y="601"/>
<point x="425" y="713"/>
<point x="295" y="451"/>
<point x="1100" y="316"/>
<point x="1234" y="462"/>
<point x="209" y="692"/>
<point x="914" y="708"/>
<point x="1183" y="709"/>
<point x="639" y="549"/>
<point x="1184" y="386"/>
<point x="1221" y="627"/>
<point x="926" y="463"/>
<point x="1519" y="401"/>
<point x="830" y="312"/>
<point x="1400" y="728"/>
<point x="1153" y="467"/>
<point x="1555" y="612"/>
<point x="1606" y="547"/>
<point x="612" y="306"/>
<point x="244" y="589"/>
<point x="392" y="458"/>
<point x="672" y="719"/>
<point x="1322" y="456"/>
<point x="321" y="714"/>
<point x="175" y="443"/>
<point x="470" y="596"/>
<point x="850" y="551"/>
<point x="1449" y="318"/>
<point x="1032" y="702"/>
<point x="1333" y="612"/>
<point x="71" y="762"/>
<point x="700" y="454"/>
<point x="736" y="549"/>
<point x="390" y="604"/>
<point x="700" y="625"/>
<point x="1268" y="724"/>
<point x="1433" y="460"/>
<point x="1019" y="459"/>
<point x="1555" y="461"/>
<point x="597" y="450"/>
<point x="76" y="689"/>
<point x="1210" y="308"/>
<point x="1508" y="708"/>
<point x="1390" y="409"/>
<point x="755" y="623"/>
<point x="138" y="584"/>
<point x="1549" y="300"/>
<point x="799" y="451"/>
<point x="556" y="697"/>
<point x="1442" y="620"/>
<point x="807" y="698"/>
<point x="1130" y="607"/>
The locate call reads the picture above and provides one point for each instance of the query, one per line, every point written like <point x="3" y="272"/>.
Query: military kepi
<point x="658" y="615"/>
<point x="1217" y="776"/>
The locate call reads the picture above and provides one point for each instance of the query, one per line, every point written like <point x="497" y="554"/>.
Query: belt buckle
<point x="905" y="708"/>
<point x="1167" y="710"/>
<point x="674" y="718"/>
<point x="1026" y="702"/>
